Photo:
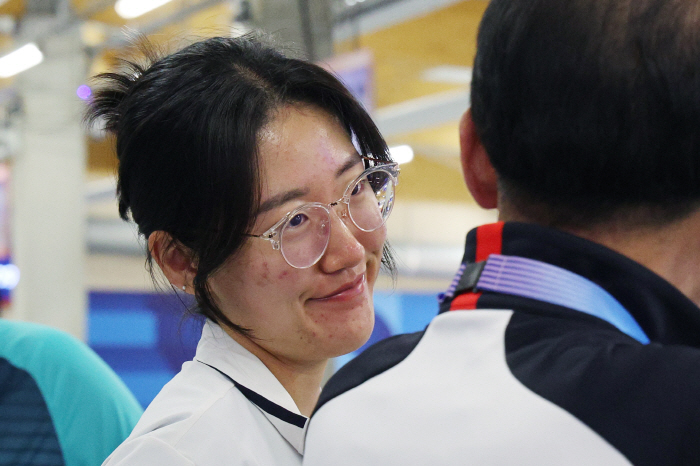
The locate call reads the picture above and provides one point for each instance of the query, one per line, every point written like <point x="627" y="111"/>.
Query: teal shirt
<point x="91" y="408"/>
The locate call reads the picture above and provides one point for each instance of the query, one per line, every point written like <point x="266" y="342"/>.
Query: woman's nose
<point x="344" y="249"/>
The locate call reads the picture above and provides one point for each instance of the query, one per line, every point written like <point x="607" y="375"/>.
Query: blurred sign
<point x="356" y="71"/>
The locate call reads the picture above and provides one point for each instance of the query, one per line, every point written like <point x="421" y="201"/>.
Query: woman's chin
<point x="351" y="339"/>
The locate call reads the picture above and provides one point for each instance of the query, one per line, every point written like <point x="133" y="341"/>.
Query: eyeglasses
<point x="303" y="234"/>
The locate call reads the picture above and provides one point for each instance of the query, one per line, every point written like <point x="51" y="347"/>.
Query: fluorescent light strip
<point x="20" y="60"/>
<point x="129" y="9"/>
<point x="401" y="154"/>
<point x="448" y="74"/>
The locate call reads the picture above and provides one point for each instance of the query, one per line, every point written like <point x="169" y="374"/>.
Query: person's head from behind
<point x="217" y="143"/>
<point x="588" y="111"/>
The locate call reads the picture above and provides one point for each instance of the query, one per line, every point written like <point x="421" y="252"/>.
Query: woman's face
<point x="303" y="315"/>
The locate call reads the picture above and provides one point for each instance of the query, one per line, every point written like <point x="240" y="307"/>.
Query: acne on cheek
<point x="283" y="274"/>
<point x="264" y="276"/>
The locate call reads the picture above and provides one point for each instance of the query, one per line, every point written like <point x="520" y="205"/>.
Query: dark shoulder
<point x="622" y="389"/>
<point x="373" y="361"/>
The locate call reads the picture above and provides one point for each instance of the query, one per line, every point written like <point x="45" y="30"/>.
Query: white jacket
<point x="201" y="418"/>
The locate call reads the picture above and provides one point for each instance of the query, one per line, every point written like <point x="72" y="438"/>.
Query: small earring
<point x="184" y="287"/>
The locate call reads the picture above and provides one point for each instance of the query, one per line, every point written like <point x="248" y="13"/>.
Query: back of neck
<point x="672" y="250"/>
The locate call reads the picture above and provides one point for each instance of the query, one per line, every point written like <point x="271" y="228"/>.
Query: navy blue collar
<point x="663" y="313"/>
<point x="529" y="278"/>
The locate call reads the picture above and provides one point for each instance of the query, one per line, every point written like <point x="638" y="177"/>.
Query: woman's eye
<point x="358" y="187"/>
<point x="297" y="220"/>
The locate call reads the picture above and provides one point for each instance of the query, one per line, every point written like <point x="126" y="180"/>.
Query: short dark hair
<point x="186" y="128"/>
<point x="591" y="108"/>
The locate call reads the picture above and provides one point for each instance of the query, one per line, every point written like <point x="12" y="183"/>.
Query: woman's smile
<point x="346" y="292"/>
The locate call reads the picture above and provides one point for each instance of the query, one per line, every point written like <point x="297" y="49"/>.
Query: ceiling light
<point x="128" y="9"/>
<point x="401" y="154"/>
<point x="21" y="59"/>
<point x="9" y="276"/>
<point x="448" y="74"/>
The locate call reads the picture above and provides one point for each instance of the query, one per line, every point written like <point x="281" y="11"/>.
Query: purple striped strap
<point x="530" y="278"/>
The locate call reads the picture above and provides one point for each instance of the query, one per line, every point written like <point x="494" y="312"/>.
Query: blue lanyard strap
<point x="528" y="278"/>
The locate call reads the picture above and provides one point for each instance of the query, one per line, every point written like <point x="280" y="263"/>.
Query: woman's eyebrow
<point x="282" y="198"/>
<point x="349" y="163"/>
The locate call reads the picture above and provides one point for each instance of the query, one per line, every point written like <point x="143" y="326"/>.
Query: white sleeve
<point x="146" y="451"/>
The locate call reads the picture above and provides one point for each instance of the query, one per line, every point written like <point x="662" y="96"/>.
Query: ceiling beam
<point x="421" y="113"/>
<point x="366" y="17"/>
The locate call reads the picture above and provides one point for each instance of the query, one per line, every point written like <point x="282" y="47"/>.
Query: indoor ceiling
<point x="418" y="60"/>
<point x="404" y="53"/>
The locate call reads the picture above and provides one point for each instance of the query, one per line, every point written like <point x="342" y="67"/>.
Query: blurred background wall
<point x="68" y="261"/>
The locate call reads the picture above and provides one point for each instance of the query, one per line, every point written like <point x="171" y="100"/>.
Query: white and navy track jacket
<point x="549" y="350"/>
<point x="224" y="408"/>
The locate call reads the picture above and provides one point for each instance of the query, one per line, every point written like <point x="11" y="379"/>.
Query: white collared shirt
<point x="224" y="408"/>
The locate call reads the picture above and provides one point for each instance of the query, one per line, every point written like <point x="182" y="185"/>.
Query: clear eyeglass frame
<point x="273" y="234"/>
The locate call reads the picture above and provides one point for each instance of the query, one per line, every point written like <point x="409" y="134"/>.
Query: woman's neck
<point x="301" y="380"/>
<point x="302" y="383"/>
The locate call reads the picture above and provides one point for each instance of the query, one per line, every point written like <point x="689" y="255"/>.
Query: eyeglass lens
<point x="304" y="238"/>
<point x="371" y="200"/>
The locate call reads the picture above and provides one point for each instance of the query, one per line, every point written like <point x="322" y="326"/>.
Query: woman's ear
<point x="479" y="174"/>
<point x="174" y="260"/>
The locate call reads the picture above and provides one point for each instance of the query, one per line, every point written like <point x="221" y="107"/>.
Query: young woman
<point x="238" y="166"/>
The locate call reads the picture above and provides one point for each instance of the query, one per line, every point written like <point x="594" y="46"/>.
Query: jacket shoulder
<point x="375" y="360"/>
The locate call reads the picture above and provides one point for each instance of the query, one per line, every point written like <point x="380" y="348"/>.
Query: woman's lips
<point x="347" y="291"/>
